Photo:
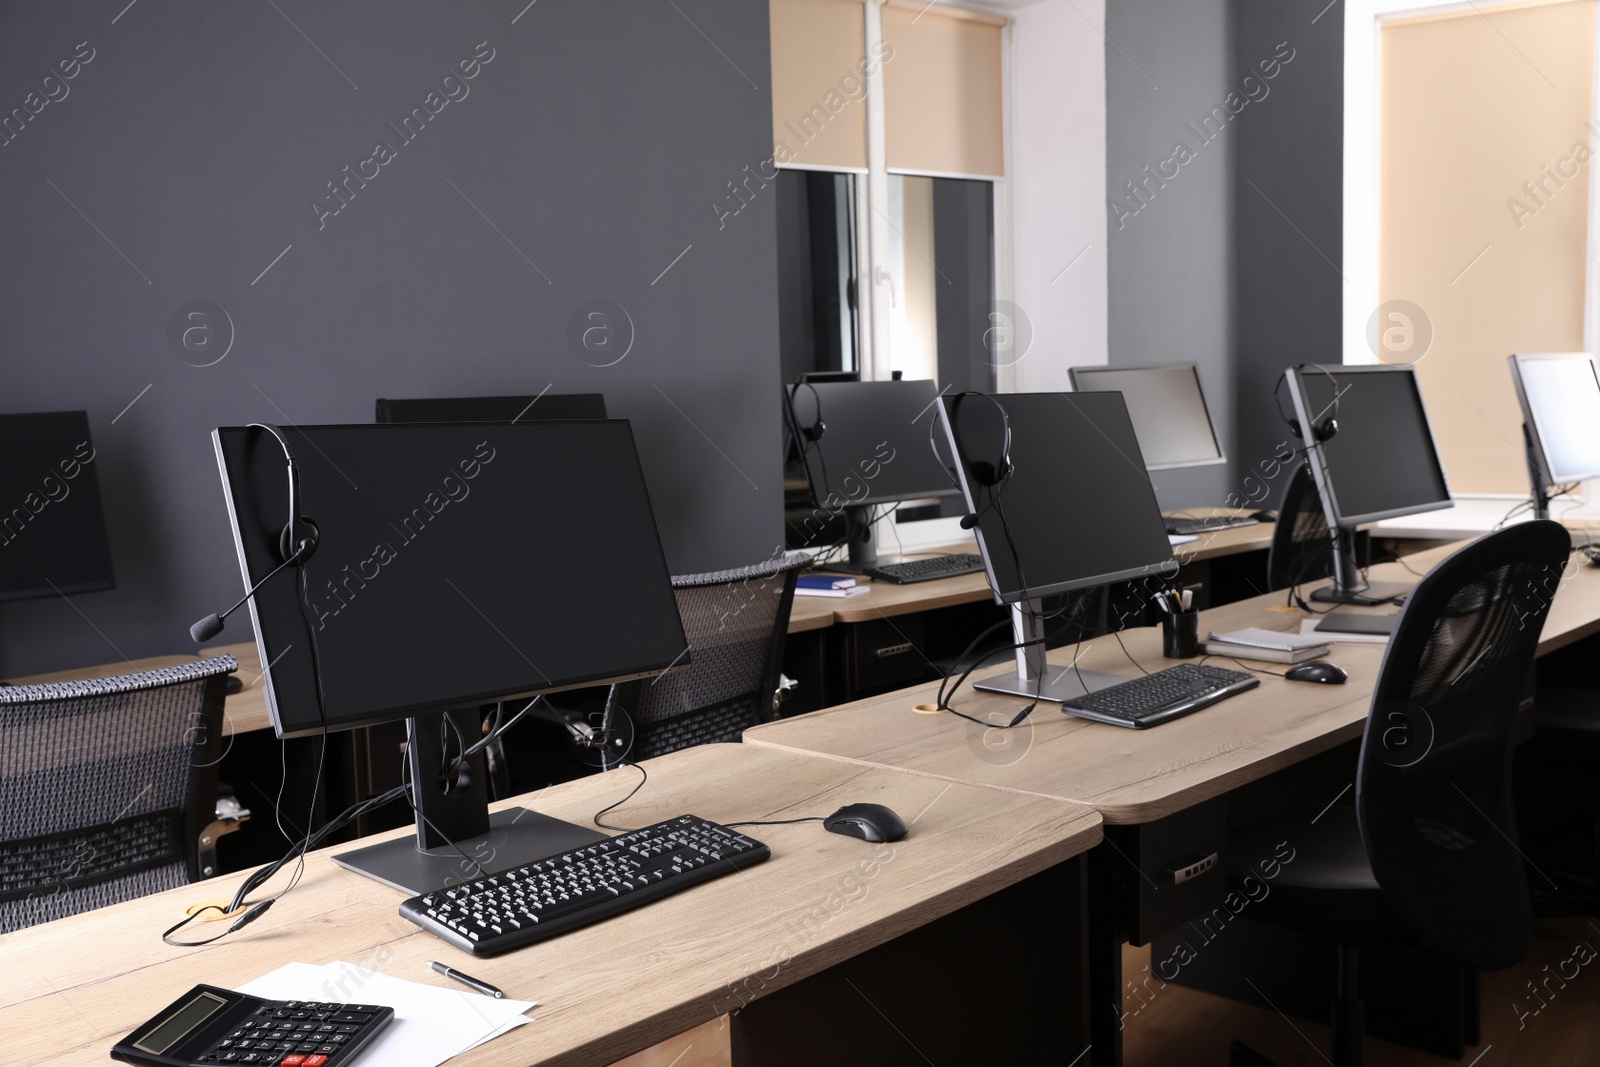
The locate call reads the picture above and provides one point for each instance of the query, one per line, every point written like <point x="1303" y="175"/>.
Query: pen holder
<point x="1180" y="635"/>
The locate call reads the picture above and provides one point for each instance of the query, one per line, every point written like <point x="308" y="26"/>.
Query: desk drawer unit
<point x="882" y="654"/>
<point x="1183" y="869"/>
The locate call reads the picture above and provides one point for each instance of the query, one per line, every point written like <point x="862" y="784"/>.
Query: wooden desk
<point x="1136" y="777"/>
<point x="72" y="987"/>
<point x="886" y="599"/>
<point x="810" y="613"/>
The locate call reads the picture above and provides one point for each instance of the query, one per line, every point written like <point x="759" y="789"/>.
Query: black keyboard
<point x="1162" y="696"/>
<point x="926" y="570"/>
<point x="209" y="1025"/>
<point x="1189" y="527"/>
<point x="554" y="896"/>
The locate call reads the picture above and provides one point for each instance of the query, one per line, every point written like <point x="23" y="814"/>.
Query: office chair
<point x="736" y="622"/>
<point x="1562" y="762"/>
<point x="1302" y="550"/>
<point x="1428" y="854"/>
<point x="108" y="788"/>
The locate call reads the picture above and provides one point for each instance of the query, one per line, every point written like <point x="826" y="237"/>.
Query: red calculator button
<point x="292" y="1061"/>
<point x="315" y="1061"/>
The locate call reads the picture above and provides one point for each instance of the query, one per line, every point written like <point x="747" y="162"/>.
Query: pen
<point x="467" y="980"/>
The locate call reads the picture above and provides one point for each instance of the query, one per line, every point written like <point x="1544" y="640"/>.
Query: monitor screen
<point x="52" y="528"/>
<point x="494" y="408"/>
<point x="873" y="442"/>
<point x="1560" y="396"/>
<point x="1078" y="509"/>
<point x="1167" y="408"/>
<point x="1382" y="463"/>
<point x="441" y="578"/>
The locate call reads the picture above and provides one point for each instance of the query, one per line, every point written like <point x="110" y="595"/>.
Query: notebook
<point x="1273" y="646"/>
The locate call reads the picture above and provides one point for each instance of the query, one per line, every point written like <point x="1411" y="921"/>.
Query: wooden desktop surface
<point x="1138" y="776"/>
<point x="886" y="599"/>
<point x="73" y="987"/>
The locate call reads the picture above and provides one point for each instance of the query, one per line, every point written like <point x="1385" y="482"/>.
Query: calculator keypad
<point x="296" y="1033"/>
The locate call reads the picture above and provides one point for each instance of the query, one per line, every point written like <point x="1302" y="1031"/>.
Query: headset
<point x="1324" y="429"/>
<point x="992" y="476"/>
<point x="807" y="438"/>
<point x="296" y="543"/>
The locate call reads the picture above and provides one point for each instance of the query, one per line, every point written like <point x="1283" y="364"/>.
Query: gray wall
<point x="1289" y="252"/>
<point x="1233" y="263"/>
<point x="1170" y="264"/>
<point x="191" y="148"/>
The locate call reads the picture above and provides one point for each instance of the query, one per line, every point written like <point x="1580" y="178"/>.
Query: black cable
<point x="775" y="822"/>
<point x="1118" y="635"/>
<point x="1245" y="666"/>
<point x="644" y="776"/>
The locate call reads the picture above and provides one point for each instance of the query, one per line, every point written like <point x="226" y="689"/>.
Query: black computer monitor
<point x="1076" y="510"/>
<point x="52" y="529"/>
<point x="438" y="584"/>
<point x="865" y="444"/>
<point x="1560" y="397"/>
<point x="545" y="406"/>
<point x="815" y="376"/>
<point x="1168" y="410"/>
<point x="1372" y="455"/>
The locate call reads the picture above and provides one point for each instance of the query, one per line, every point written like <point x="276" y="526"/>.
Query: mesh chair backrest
<point x="1301" y="550"/>
<point x="1433" y="792"/>
<point x="99" y="784"/>
<point x="736" y="622"/>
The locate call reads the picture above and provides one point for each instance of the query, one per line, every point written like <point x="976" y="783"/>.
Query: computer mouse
<point x="235" y="684"/>
<point x="1318" y="671"/>
<point x="1264" y="516"/>
<point x="869" y="822"/>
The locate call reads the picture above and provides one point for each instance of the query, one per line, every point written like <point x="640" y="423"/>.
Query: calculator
<point x="208" y="1025"/>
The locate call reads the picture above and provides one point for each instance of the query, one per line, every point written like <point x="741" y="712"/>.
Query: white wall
<point x="1058" y="186"/>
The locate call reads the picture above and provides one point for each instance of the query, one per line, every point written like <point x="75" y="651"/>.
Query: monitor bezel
<point x="1169" y="566"/>
<point x="1199" y="387"/>
<point x="1319" y="469"/>
<point x="1531" y="421"/>
<point x="390" y="714"/>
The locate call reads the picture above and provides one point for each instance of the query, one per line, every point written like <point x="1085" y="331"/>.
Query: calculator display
<point x="178" y="1025"/>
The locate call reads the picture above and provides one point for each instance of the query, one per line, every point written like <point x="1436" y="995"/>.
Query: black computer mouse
<point x="235" y="684"/>
<point x="869" y="822"/>
<point x="1264" y="516"/>
<point x="1318" y="671"/>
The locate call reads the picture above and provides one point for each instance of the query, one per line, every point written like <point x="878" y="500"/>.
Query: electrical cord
<point x="1243" y="666"/>
<point x="296" y="853"/>
<point x="644" y="776"/>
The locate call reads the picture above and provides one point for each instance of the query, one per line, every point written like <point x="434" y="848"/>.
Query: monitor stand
<point x="1348" y="586"/>
<point x="457" y="839"/>
<point x="1541" y="498"/>
<point x="1035" y="678"/>
<point x="858" y="538"/>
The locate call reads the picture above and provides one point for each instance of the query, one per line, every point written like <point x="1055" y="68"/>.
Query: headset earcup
<point x="983" y="472"/>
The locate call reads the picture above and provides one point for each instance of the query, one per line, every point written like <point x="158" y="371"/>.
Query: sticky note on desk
<point x="431" y="1023"/>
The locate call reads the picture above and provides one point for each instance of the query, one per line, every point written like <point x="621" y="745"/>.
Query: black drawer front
<point x="1183" y="863"/>
<point x="885" y="652"/>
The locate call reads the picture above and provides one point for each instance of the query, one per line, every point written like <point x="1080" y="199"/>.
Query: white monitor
<point x="1168" y="410"/>
<point x="1560" y="397"/>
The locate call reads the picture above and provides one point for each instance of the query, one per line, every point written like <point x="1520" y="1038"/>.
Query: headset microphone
<point x="295" y="544"/>
<point x="212" y="625"/>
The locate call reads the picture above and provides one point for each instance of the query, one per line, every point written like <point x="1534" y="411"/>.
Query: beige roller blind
<point x="819" y="111"/>
<point x="1485" y="170"/>
<point x="942" y="96"/>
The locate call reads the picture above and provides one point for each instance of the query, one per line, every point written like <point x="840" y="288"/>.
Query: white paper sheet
<point x="431" y="1023"/>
